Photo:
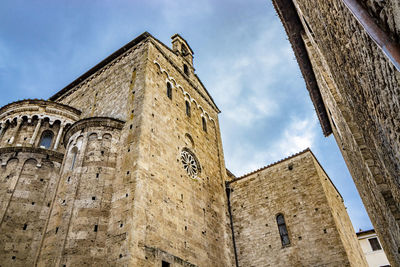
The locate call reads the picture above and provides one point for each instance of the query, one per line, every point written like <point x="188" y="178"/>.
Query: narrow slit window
<point x="187" y="108"/>
<point x="185" y="69"/>
<point x="169" y="90"/>
<point x="204" y="124"/>
<point x="283" y="232"/>
<point x="74" y="154"/>
<point x="46" y="139"/>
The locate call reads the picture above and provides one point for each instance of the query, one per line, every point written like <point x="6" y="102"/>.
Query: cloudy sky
<point x="241" y="55"/>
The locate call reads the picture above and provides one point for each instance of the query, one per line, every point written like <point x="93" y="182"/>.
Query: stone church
<point x="125" y="167"/>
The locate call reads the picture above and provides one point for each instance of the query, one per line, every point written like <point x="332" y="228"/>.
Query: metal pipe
<point x="390" y="48"/>
<point x="228" y="194"/>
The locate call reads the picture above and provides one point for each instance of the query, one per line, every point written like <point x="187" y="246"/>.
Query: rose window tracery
<point x="190" y="163"/>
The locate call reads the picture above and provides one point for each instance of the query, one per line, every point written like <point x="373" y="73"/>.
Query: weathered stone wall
<point x="78" y="233"/>
<point x="386" y="15"/>
<point x="28" y="179"/>
<point x="107" y="92"/>
<point x="342" y="220"/>
<point x="362" y="100"/>
<point x="299" y="189"/>
<point x="117" y="91"/>
<point x="178" y="219"/>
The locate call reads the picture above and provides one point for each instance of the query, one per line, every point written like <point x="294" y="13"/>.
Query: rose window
<point x="190" y="164"/>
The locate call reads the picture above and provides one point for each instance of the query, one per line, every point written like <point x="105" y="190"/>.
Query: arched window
<point x="204" y="124"/>
<point x="183" y="50"/>
<point x="74" y="152"/>
<point x="169" y="90"/>
<point x="185" y="69"/>
<point x="46" y="139"/>
<point x="187" y="108"/>
<point x="282" y="230"/>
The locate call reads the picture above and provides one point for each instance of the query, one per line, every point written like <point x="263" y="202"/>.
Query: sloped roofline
<point x="100" y="65"/>
<point x="113" y="56"/>
<point x="294" y="28"/>
<point x="270" y="165"/>
<point x="283" y="160"/>
<point x="366" y="232"/>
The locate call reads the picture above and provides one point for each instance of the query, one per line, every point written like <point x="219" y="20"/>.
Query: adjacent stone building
<point x="349" y="54"/>
<point x="296" y="197"/>
<point x="125" y="167"/>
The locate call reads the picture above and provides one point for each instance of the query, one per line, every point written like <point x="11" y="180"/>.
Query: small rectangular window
<point x="374" y="244"/>
<point x="165" y="264"/>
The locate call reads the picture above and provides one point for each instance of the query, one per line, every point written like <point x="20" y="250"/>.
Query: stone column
<point x="19" y="122"/>
<point x="35" y="133"/>
<point x="62" y="125"/>
<point x="3" y="126"/>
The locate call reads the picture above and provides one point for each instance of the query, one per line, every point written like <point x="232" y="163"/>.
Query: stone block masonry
<point x="359" y="88"/>
<point x="125" y="167"/>
<point x="319" y="231"/>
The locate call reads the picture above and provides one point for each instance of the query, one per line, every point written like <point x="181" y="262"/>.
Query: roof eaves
<point x="270" y="165"/>
<point x="294" y="28"/>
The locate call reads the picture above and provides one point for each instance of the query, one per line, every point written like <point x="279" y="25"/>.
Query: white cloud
<point x="244" y="81"/>
<point x="299" y="134"/>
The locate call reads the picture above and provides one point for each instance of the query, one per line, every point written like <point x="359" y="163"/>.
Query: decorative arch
<point x="187" y="96"/>
<point x="106" y="144"/>
<point x="195" y="102"/>
<point x="12" y="161"/>
<point x="107" y="136"/>
<point x="30" y="165"/>
<point x="92" y="136"/>
<point x="189" y="141"/>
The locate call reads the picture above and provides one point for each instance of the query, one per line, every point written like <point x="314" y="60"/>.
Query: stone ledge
<point x="39" y="102"/>
<point x="53" y="155"/>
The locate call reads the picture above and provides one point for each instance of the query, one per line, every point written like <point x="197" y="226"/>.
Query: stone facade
<point x="359" y="89"/>
<point x="132" y="173"/>
<point x="320" y="231"/>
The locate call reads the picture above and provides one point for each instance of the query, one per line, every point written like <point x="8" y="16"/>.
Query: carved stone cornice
<point x="53" y="155"/>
